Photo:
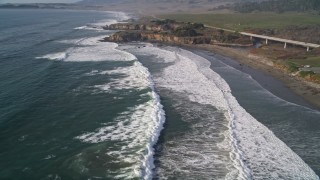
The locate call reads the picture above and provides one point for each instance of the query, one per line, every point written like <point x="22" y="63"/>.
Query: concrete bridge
<point x="285" y="41"/>
<point x="269" y="38"/>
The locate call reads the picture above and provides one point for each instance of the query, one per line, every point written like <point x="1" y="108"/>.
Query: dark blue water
<point x="49" y="106"/>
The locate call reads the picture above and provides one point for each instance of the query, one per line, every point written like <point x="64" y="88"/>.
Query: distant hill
<point x="165" y="1"/>
<point x="164" y="6"/>
<point x="151" y="7"/>
<point x="278" y="6"/>
<point x="39" y="6"/>
<point x="99" y="2"/>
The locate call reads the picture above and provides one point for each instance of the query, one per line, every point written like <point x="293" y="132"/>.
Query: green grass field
<point x="313" y="61"/>
<point x="241" y="22"/>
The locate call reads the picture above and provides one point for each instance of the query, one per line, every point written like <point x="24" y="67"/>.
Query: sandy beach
<point x="309" y="92"/>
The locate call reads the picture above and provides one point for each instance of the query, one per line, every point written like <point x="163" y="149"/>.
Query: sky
<point x="38" y="1"/>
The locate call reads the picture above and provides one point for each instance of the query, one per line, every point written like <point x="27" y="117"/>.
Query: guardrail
<point x="269" y="38"/>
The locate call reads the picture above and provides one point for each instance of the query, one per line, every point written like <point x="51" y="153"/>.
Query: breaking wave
<point x="255" y="151"/>
<point x="135" y="131"/>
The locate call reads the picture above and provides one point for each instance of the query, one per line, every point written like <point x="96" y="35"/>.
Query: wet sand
<point x="289" y="88"/>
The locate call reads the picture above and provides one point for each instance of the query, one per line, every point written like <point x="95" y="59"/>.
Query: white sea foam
<point x="50" y="156"/>
<point x="106" y="22"/>
<point x="90" y="27"/>
<point x="117" y="17"/>
<point x="54" y="56"/>
<point x="132" y="78"/>
<point x="91" y="49"/>
<point x="137" y="129"/>
<point x="265" y="154"/>
<point x="185" y="80"/>
<point x="97" y="26"/>
<point x="71" y="41"/>
<point x="257" y="152"/>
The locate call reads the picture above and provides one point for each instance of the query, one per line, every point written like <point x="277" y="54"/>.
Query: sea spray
<point x="148" y="118"/>
<point x="249" y="139"/>
<point x="136" y="77"/>
<point x="159" y="118"/>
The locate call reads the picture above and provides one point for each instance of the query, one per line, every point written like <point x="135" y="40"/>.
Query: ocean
<point x="72" y="107"/>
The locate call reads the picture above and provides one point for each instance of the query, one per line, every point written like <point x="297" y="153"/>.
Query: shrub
<point x="182" y="32"/>
<point x="292" y="67"/>
<point x="306" y="73"/>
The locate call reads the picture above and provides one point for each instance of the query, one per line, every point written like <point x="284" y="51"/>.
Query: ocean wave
<point x="257" y="152"/>
<point x="132" y="78"/>
<point x="117" y="17"/>
<point x="137" y="130"/>
<point x="91" y="49"/>
<point x="71" y="41"/>
<point x="54" y="56"/>
<point x="97" y="26"/>
<point x="90" y="27"/>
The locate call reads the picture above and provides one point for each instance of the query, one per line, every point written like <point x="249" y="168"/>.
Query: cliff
<point x="153" y="25"/>
<point x="170" y="31"/>
<point x="124" y="36"/>
<point x="272" y="56"/>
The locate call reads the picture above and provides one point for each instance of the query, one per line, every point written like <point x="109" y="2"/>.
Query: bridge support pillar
<point x="285" y="45"/>
<point x="266" y="41"/>
<point x="308" y="49"/>
<point x="250" y="37"/>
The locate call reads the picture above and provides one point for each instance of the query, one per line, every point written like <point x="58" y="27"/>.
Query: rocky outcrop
<point x="155" y="25"/>
<point x="169" y="31"/>
<point x="125" y="36"/>
<point x="141" y="27"/>
<point x="123" y="26"/>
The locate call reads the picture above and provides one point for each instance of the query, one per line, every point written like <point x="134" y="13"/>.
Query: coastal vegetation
<point x="293" y="59"/>
<point x="311" y="60"/>
<point x="278" y="6"/>
<point x="240" y="22"/>
<point x="170" y="31"/>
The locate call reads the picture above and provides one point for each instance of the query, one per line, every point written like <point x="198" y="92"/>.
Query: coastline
<point x="191" y="74"/>
<point x="301" y="92"/>
<point x="242" y="57"/>
<point x="310" y="92"/>
<point x="197" y="36"/>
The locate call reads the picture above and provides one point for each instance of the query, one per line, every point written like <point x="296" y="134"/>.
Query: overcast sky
<point x="38" y="1"/>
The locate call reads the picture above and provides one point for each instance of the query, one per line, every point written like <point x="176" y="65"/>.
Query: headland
<point x="294" y="66"/>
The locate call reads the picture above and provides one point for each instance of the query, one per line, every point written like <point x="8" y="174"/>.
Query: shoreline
<point x="197" y="36"/>
<point x="279" y="110"/>
<point x="301" y="92"/>
<point x="309" y="92"/>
